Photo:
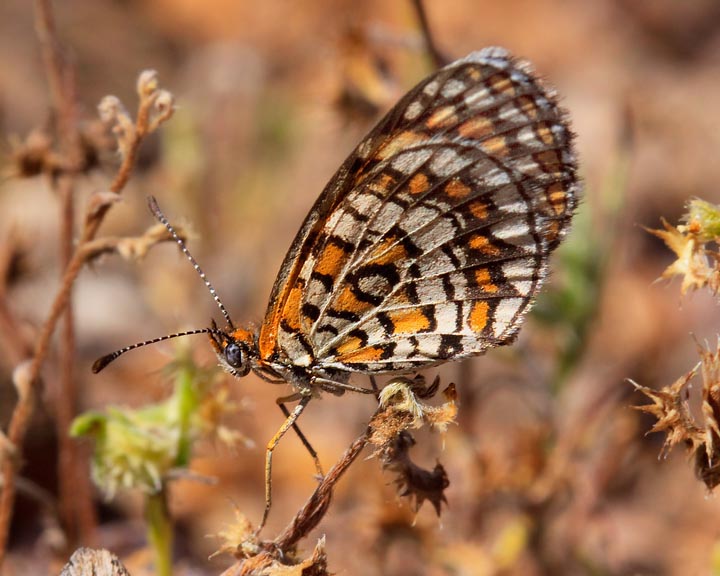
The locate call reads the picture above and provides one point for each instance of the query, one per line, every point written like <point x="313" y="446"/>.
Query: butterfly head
<point x="236" y="350"/>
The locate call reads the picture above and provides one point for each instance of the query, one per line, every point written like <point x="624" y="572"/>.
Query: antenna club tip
<point x="100" y="363"/>
<point x="153" y="204"/>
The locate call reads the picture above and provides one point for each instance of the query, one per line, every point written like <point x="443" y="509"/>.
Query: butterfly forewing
<point x="432" y="239"/>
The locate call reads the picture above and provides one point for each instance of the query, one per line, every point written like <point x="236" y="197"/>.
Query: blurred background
<point x="550" y="471"/>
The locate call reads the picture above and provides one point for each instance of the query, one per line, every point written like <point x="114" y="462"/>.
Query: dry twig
<point x="156" y="106"/>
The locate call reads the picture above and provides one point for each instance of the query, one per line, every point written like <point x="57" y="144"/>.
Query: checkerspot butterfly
<point x="428" y="244"/>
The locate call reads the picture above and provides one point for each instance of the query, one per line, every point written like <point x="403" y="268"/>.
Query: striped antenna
<point x="100" y="363"/>
<point x="155" y="209"/>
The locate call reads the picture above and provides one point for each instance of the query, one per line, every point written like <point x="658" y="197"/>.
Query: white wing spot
<point x="447" y="162"/>
<point x="452" y="87"/>
<point x="409" y="161"/>
<point x="413" y="110"/>
<point x="431" y="88"/>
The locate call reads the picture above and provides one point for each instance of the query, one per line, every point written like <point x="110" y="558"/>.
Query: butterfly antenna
<point x="103" y="361"/>
<point x="155" y="209"/>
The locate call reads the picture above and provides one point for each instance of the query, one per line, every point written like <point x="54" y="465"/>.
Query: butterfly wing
<point x="432" y="239"/>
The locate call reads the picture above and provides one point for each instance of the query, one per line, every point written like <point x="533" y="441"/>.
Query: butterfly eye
<point x="236" y="357"/>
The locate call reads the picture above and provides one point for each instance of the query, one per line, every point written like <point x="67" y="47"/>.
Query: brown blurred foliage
<point x="545" y="476"/>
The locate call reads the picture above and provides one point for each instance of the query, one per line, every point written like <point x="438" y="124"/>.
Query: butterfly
<point x="428" y="244"/>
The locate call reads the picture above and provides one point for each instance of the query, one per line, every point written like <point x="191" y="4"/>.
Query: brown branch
<point x="438" y="58"/>
<point x="156" y="106"/>
<point x="76" y="505"/>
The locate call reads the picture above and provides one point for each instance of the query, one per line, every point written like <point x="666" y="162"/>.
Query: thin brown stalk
<point x="15" y="346"/>
<point x="95" y="214"/>
<point x="76" y="504"/>
<point x="438" y="58"/>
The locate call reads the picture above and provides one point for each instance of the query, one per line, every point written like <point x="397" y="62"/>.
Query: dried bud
<point x="705" y="217"/>
<point x="147" y="83"/>
<point x="238" y="539"/>
<point x="165" y="103"/>
<point x="110" y="108"/>
<point x="164" y="108"/>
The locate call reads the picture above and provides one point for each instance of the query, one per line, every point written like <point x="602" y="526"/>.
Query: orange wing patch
<point x="482" y="277"/>
<point x="528" y="106"/>
<point x="495" y="146"/>
<point x="442" y="118"/>
<point x="476" y="128"/>
<point x="502" y="83"/>
<point x="386" y="253"/>
<point x="456" y="189"/>
<point x="409" y="321"/>
<point x="481" y="243"/>
<point x="292" y="307"/>
<point x="479" y="209"/>
<point x="400" y="142"/>
<point x="419" y="184"/>
<point x="369" y="354"/>
<point x="478" y="316"/>
<point x="544" y="133"/>
<point x="557" y="197"/>
<point x="331" y="260"/>
<point x="348" y="302"/>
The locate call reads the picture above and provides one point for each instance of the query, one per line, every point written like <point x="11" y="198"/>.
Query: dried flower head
<point x="670" y="407"/>
<point x="238" y="539"/>
<point x="695" y="263"/>
<point x="401" y="410"/>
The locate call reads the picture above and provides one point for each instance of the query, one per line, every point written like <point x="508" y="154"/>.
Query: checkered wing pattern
<point x="432" y="239"/>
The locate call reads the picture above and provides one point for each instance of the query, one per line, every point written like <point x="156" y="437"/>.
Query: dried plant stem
<point x="77" y="510"/>
<point x="76" y="505"/>
<point x="437" y="57"/>
<point x="15" y="346"/>
<point x="59" y="80"/>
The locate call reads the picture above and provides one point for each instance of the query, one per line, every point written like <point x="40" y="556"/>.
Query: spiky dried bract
<point x="707" y="466"/>
<point x="670" y="407"/>
<point x="401" y="410"/>
<point x="692" y="263"/>
<point x="698" y="265"/>
<point x="238" y="539"/>
<point x="413" y="481"/>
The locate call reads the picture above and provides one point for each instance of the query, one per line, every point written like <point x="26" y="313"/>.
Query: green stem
<point x="160" y="531"/>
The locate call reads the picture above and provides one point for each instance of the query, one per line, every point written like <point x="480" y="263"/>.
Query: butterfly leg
<point x="289" y="423"/>
<point x="334" y="386"/>
<point x="303" y="439"/>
